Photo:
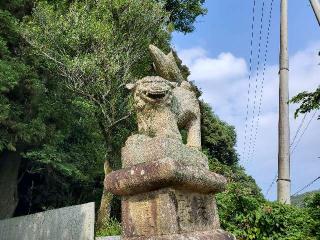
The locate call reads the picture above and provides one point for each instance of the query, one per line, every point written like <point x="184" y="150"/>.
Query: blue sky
<point x="227" y="26"/>
<point x="218" y="52"/>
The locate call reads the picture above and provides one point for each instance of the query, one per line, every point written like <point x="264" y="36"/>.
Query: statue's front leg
<point x="194" y="133"/>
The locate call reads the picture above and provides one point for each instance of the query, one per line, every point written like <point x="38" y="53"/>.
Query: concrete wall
<point x="69" y="223"/>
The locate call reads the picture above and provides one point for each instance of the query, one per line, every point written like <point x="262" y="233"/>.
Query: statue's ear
<point x="130" y="86"/>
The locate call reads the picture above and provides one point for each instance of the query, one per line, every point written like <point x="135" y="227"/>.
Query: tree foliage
<point x="183" y="13"/>
<point x="251" y="217"/>
<point x="308" y="101"/>
<point x="98" y="47"/>
<point x="312" y="205"/>
<point x="218" y="138"/>
<point x="300" y="199"/>
<point x="51" y="128"/>
<point x="19" y="90"/>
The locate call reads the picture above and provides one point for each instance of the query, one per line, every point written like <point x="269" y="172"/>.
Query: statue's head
<point x="151" y="90"/>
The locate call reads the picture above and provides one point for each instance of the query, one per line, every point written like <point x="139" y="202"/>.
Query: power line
<point x="257" y="77"/>
<point x="306" y="186"/>
<point x="305" y="129"/>
<point x="250" y="72"/>
<point x="273" y="182"/>
<point x="263" y="76"/>
<point x="298" y="130"/>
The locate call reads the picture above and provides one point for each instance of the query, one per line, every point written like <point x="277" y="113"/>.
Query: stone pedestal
<point x="168" y="212"/>
<point x="167" y="191"/>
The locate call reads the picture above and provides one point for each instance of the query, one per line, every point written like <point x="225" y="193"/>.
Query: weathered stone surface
<point x="70" y="223"/>
<point x="140" y="148"/>
<point x="168" y="211"/>
<point x="166" y="172"/>
<point x="163" y="108"/>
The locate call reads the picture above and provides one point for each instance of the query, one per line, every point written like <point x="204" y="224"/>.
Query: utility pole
<point x="316" y="8"/>
<point x="284" y="183"/>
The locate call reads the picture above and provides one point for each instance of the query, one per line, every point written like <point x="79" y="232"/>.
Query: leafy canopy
<point x="218" y="138"/>
<point x="20" y="90"/>
<point x="183" y="13"/>
<point x="309" y="101"/>
<point x="97" y="47"/>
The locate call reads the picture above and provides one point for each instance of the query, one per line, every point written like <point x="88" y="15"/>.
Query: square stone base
<point x="168" y="212"/>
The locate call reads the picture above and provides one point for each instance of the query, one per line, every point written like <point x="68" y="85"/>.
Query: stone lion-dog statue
<point x="167" y="103"/>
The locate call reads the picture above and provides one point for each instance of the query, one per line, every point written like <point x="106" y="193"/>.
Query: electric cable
<point x="263" y="78"/>
<point x="249" y="82"/>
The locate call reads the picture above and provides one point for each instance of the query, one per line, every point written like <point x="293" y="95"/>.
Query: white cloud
<point x="224" y="82"/>
<point x="189" y="55"/>
<point x="224" y="67"/>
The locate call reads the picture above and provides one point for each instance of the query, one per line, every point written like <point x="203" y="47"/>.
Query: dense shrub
<point x="312" y="205"/>
<point x="245" y="213"/>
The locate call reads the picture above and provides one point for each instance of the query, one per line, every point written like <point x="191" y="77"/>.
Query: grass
<point x="112" y="228"/>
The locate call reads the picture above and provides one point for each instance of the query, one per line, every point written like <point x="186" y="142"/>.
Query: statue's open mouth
<point x="156" y="95"/>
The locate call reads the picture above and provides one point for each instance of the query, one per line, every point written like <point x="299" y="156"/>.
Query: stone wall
<point x="70" y="223"/>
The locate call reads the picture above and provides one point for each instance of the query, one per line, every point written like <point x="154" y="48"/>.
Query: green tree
<point x="312" y="205"/>
<point x="183" y="13"/>
<point x="65" y="167"/>
<point x="245" y="213"/>
<point x="309" y="101"/>
<point x="96" y="48"/>
<point x="20" y="126"/>
<point x="218" y="138"/>
<point x="47" y="133"/>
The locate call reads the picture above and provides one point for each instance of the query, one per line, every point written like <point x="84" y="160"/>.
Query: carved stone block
<point x="168" y="211"/>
